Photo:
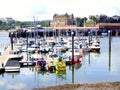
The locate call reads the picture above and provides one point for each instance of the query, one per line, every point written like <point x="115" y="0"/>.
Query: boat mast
<point x="34" y="30"/>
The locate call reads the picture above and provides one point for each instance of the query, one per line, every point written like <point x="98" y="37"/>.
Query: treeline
<point x="92" y="20"/>
<point x="6" y="25"/>
<point x="12" y="25"/>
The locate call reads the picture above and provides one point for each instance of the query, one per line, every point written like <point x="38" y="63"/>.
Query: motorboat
<point x="15" y="54"/>
<point x="40" y="65"/>
<point x="32" y="48"/>
<point x="94" y="47"/>
<point x="77" y="57"/>
<point x="36" y="56"/>
<point x="59" y="64"/>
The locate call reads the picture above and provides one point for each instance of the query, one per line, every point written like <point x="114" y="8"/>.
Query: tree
<point x="81" y="21"/>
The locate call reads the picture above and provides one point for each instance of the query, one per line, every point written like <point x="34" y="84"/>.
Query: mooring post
<point x="89" y="37"/>
<point x="109" y="36"/>
<point x="72" y="33"/>
<point x="11" y="39"/>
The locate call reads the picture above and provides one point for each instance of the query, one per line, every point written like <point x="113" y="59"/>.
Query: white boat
<point x="104" y="34"/>
<point x="84" y="47"/>
<point x="76" y="52"/>
<point x="36" y="56"/>
<point x="24" y="48"/>
<point x="15" y="54"/>
<point x="33" y="48"/>
<point x="44" y="48"/>
<point x="94" y="47"/>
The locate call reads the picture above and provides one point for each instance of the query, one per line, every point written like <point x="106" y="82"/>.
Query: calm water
<point x="96" y="67"/>
<point x="4" y="42"/>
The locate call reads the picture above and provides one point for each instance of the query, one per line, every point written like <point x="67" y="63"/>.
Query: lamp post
<point x="72" y="33"/>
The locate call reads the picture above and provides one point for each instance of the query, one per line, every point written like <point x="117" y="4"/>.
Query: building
<point x="108" y="26"/>
<point x="62" y="20"/>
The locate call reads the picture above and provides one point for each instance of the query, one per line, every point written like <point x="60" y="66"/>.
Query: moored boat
<point x="95" y="47"/>
<point x="40" y="65"/>
<point x="59" y="64"/>
<point x="15" y="54"/>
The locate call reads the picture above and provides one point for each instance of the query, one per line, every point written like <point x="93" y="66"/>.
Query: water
<point x="96" y="67"/>
<point x="4" y="42"/>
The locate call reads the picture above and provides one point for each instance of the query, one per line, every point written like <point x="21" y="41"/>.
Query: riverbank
<point x="97" y="86"/>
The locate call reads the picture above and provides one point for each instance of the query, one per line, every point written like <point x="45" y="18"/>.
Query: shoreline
<point x="3" y="32"/>
<point x="86" y="86"/>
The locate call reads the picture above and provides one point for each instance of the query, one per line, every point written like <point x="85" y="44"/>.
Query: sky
<point x="28" y="10"/>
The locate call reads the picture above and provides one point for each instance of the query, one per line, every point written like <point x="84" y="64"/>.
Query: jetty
<point x="12" y="65"/>
<point x="25" y="62"/>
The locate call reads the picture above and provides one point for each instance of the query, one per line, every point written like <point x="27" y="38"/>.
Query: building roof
<point x="74" y="27"/>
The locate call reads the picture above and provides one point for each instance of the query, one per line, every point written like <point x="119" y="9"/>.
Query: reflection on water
<point x="95" y="67"/>
<point x="109" y="61"/>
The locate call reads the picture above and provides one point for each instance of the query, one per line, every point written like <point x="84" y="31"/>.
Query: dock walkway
<point x="12" y="65"/>
<point x="4" y="58"/>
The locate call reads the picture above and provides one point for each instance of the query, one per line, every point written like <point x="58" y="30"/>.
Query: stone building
<point x="62" y="20"/>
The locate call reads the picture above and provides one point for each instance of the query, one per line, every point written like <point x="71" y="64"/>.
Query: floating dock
<point x="26" y="62"/>
<point x="12" y="66"/>
<point x="4" y="59"/>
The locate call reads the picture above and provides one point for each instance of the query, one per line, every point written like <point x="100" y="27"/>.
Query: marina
<point x="95" y="67"/>
<point x="60" y="45"/>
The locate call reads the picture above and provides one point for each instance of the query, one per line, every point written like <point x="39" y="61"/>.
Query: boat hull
<point x="12" y="69"/>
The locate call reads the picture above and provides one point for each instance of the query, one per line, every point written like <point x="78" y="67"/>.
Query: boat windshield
<point x="41" y="63"/>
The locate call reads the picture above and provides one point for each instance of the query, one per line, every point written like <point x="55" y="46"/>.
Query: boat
<point x="40" y="65"/>
<point x="49" y="63"/>
<point x="77" y="57"/>
<point x="94" y="47"/>
<point x="32" y="48"/>
<point x="44" y="49"/>
<point x="15" y="54"/>
<point x="59" y="64"/>
<point x="36" y="56"/>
